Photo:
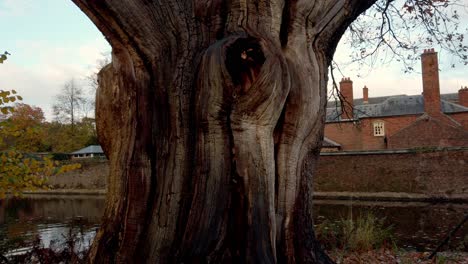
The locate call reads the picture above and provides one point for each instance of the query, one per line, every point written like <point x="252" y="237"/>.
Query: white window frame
<point x="378" y="128"/>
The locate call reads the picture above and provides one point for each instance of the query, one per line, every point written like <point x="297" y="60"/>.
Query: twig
<point x="447" y="238"/>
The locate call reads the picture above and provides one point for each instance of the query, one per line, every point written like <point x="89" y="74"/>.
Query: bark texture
<point x="212" y="116"/>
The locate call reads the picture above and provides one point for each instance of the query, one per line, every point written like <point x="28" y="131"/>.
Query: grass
<point x="366" y="239"/>
<point x="364" y="233"/>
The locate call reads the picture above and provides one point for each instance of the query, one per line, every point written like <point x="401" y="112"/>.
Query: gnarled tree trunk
<point x="212" y="116"/>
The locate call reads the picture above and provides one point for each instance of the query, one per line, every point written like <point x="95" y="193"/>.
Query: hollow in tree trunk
<point x="212" y="116"/>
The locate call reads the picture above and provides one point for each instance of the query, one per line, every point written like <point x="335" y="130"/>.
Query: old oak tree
<point x="212" y="116"/>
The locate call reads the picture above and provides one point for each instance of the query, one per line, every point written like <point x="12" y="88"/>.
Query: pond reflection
<point x="419" y="226"/>
<point x="50" y="219"/>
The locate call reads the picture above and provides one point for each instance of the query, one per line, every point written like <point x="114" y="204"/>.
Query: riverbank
<point x="351" y="196"/>
<point x="391" y="197"/>
<point x="418" y="227"/>
<point x="92" y="175"/>
<point x="64" y="192"/>
<point x="398" y="256"/>
<point x="425" y="175"/>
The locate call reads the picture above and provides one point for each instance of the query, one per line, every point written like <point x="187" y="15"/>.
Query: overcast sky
<point x="52" y="41"/>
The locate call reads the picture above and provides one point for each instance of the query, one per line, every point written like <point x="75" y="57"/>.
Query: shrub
<point x="364" y="233"/>
<point x="19" y="172"/>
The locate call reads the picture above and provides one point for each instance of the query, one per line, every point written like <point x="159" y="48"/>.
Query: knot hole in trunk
<point x="244" y="59"/>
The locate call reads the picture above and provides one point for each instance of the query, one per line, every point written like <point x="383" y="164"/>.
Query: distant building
<point x="91" y="151"/>
<point x="402" y="121"/>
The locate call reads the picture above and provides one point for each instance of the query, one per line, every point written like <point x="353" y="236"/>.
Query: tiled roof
<point x="89" y="149"/>
<point x="451" y="97"/>
<point x="360" y="101"/>
<point x="328" y="143"/>
<point x="392" y="106"/>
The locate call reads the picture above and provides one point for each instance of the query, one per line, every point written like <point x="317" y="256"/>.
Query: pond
<point x="416" y="226"/>
<point x="50" y="219"/>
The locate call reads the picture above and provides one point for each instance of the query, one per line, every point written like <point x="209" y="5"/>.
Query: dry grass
<point x="364" y="233"/>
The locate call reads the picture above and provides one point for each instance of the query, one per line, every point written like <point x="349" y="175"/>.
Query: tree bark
<point x="211" y="114"/>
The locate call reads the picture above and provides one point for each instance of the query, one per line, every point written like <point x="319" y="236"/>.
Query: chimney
<point x="463" y="96"/>
<point x="365" y="95"/>
<point x="346" y="90"/>
<point x="430" y="78"/>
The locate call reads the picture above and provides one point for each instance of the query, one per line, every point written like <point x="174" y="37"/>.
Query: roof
<point x="89" y="149"/>
<point x="328" y="143"/>
<point x="392" y="106"/>
<point x="451" y="97"/>
<point x="360" y="101"/>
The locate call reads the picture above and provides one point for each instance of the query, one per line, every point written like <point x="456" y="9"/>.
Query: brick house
<point x="402" y="121"/>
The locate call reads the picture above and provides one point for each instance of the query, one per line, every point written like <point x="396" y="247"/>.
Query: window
<point x="379" y="129"/>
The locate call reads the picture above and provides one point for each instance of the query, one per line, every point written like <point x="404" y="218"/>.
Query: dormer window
<point x="379" y="129"/>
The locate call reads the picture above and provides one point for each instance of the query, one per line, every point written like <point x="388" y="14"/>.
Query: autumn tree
<point x="20" y="172"/>
<point x="69" y="102"/>
<point x="23" y="129"/>
<point x="212" y="116"/>
<point x="83" y="134"/>
<point x="7" y="98"/>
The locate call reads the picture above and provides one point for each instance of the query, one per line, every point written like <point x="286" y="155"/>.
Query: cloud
<point x="93" y="50"/>
<point x="390" y="79"/>
<point x="16" y="7"/>
<point x="36" y="87"/>
<point x="39" y="80"/>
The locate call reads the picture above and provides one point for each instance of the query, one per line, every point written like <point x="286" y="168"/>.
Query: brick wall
<point x="427" y="132"/>
<point x="423" y="171"/>
<point x="461" y="118"/>
<point x="360" y="135"/>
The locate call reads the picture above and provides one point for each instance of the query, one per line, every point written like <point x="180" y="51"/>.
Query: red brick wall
<point x="429" y="172"/>
<point x="347" y="134"/>
<point x="428" y="132"/>
<point x="360" y="136"/>
<point x="461" y="118"/>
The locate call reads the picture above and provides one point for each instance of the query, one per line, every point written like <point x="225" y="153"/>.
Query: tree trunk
<point x="212" y="116"/>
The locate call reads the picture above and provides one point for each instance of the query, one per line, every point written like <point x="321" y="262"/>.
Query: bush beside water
<point x="364" y="233"/>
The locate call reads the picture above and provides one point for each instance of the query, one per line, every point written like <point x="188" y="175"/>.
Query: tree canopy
<point x="21" y="132"/>
<point x="397" y="30"/>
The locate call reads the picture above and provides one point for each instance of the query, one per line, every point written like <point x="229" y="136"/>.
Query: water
<point x="50" y="219"/>
<point x="417" y="226"/>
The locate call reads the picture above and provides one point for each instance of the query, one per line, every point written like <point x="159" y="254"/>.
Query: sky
<point x="52" y="41"/>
